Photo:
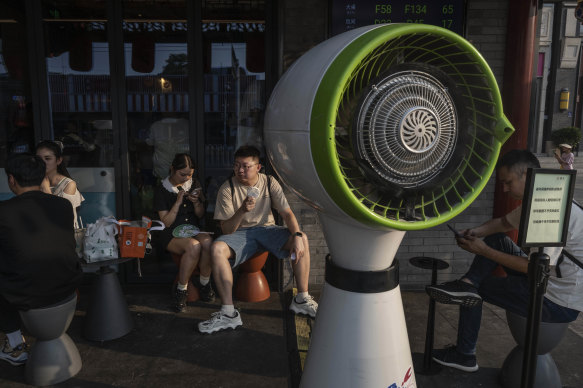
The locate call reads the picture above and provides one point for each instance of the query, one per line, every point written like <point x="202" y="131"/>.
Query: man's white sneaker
<point x="220" y="321"/>
<point x="308" y="306"/>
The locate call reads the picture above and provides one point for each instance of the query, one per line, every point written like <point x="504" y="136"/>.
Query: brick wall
<point x="486" y="29"/>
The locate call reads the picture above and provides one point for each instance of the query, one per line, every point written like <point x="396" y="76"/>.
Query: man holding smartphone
<point x="248" y="226"/>
<point x="564" y="297"/>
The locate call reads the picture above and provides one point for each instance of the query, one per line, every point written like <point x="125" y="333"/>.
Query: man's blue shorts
<point x="248" y="241"/>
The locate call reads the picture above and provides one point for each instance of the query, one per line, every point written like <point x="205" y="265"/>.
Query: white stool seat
<point x="549" y="336"/>
<point x="54" y="357"/>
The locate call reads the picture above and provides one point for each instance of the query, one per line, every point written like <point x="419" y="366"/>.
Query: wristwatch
<point x="299" y="234"/>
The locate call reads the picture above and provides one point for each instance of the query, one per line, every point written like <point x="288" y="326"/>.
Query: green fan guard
<point x="351" y="72"/>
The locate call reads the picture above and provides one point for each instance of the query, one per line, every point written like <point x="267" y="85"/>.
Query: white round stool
<point x="549" y="336"/>
<point x="54" y="357"/>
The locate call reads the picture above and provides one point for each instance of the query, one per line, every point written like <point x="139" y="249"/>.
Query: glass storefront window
<point x="79" y="93"/>
<point x="158" y="127"/>
<point x="16" y="126"/>
<point x="234" y="85"/>
<point x="155" y="52"/>
<point x="77" y="60"/>
<point x="156" y="122"/>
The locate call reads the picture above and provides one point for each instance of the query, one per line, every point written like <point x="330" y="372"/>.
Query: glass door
<point x="234" y="85"/>
<point x="234" y="35"/>
<point x="78" y="75"/>
<point x="158" y="127"/>
<point x="16" y="129"/>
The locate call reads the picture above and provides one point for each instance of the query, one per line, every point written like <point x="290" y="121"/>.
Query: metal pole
<point x="429" y="333"/>
<point x="538" y="274"/>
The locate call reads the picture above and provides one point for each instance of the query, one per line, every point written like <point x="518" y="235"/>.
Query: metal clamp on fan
<point x="362" y="281"/>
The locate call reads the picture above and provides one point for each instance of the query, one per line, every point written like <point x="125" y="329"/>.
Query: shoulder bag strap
<point x="572" y="258"/>
<point x="232" y="191"/>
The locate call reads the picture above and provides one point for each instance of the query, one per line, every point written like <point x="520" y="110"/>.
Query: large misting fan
<point x="382" y="129"/>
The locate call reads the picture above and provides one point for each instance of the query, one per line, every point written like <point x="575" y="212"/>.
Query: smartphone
<point x="253" y="192"/>
<point x="457" y="234"/>
<point x="179" y="188"/>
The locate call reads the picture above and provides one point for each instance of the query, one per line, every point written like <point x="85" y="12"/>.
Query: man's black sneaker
<point x="456" y="292"/>
<point x="207" y="294"/>
<point x="454" y="359"/>
<point x="179" y="299"/>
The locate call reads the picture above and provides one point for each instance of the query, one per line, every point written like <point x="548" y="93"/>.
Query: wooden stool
<point x="193" y="294"/>
<point x="252" y="285"/>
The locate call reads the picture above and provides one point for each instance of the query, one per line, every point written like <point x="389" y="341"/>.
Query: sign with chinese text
<point x="350" y="14"/>
<point x="546" y="207"/>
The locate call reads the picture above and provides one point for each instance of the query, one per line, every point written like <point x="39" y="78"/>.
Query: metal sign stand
<point x="538" y="275"/>
<point x="546" y="208"/>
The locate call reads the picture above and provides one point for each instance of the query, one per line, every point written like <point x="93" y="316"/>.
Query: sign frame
<point x="526" y="226"/>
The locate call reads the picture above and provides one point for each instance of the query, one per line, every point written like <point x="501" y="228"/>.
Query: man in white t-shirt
<point x="248" y="226"/>
<point x="564" y="296"/>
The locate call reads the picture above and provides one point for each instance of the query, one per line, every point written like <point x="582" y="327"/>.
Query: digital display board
<point x="546" y="207"/>
<point x="350" y="14"/>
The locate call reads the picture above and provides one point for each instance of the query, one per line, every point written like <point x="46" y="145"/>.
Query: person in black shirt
<point x="178" y="201"/>
<point x="38" y="263"/>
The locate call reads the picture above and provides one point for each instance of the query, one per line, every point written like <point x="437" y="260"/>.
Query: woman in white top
<point x="57" y="179"/>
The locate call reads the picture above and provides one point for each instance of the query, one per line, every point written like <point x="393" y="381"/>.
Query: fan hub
<point x="419" y="129"/>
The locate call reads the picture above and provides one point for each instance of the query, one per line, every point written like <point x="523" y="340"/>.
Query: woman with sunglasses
<point x="57" y="180"/>
<point x="179" y="201"/>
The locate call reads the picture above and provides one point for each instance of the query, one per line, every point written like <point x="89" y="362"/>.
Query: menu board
<point x="350" y="14"/>
<point x="546" y="207"/>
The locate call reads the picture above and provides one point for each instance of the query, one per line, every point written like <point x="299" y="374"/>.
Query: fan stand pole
<point x="359" y="338"/>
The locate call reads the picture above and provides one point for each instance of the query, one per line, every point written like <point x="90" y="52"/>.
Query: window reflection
<point x="234" y="98"/>
<point x="157" y="97"/>
<point x="16" y="129"/>
<point x="77" y="60"/>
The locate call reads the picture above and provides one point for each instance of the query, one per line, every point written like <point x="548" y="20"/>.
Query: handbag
<point x="99" y="242"/>
<point x="134" y="236"/>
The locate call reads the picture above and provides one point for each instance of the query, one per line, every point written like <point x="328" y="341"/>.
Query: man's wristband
<point x="298" y="234"/>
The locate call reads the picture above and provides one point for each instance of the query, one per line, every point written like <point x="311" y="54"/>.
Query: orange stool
<point x="193" y="294"/>
<point x="499" y="272"/>
<point x="252" y="285"/>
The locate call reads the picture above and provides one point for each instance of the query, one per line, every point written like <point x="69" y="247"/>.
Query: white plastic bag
<point x="99" y="243"/>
